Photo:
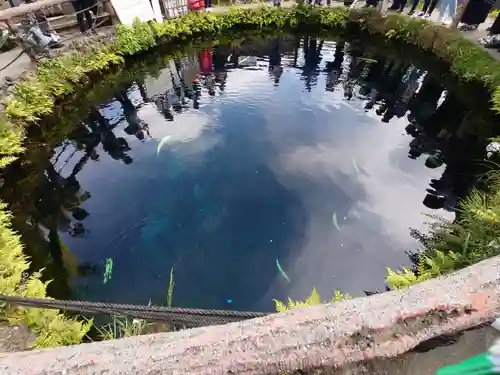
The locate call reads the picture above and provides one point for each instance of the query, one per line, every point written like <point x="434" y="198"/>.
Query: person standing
<point x="451" y="6"/>
<point x="83" y="10"/>
<point x="396" y="4"/>
<point x="413" y="7"/>
<point x="493" y="38"/>
<point x="475" y="14"/>
<point x="428" y="8"/>
<point x="208" y="4"/>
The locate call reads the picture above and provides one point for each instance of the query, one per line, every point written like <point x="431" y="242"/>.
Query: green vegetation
<point x="171" y="284"/>
<point x="122" y="326"/>
<point x="451" y="245"/>
<point x="313" y="299"/>
<point x="50" y="326"/>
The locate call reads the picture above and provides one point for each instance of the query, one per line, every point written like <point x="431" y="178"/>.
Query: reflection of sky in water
<point x="256" y="173"/>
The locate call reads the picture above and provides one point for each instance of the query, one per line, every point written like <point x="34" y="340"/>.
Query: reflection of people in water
<point x="142" y="89"/>
<point x="355" y="70"/>
<point x="162" y="104"/>
<point x="210" y="84"/>
<point x="334" y="68"/>
<point x="135" y="125"/>
<point x="114" y="146"/>
<point x="197" y="91"/>
<point x="275" y="68"/>
<point x="407" y="89"/>
<point x="370" y="84"/>
<point x="312" y="57"/>
<point x="394" y="73"/>
<point x="219" y="61"/>
<point x="423" y="104"/>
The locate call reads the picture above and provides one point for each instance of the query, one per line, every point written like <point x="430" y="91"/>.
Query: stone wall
<point x="344" y="335"/>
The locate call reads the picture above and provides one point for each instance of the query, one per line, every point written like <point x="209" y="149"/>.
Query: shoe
<point x="399" y="11"/>
<point x="466" y="27"/>
<point x="410" y="13"/>
<point x="421" y="14"/>
<point x="425" y="16"/>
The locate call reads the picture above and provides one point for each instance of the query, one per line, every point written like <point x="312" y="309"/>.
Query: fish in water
<point x="108" y="271"/>
<point x="366" y="59"/>
<point x="162" y="142"/>
<point x="283" y="273"/>
<point x="355" y="165"/>
<point x="335" y="222"/>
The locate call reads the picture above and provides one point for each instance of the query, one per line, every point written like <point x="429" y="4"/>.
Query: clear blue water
<point x="264" y="147"/>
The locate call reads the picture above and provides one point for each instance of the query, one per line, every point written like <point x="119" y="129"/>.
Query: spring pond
<point x="317" y="154"/>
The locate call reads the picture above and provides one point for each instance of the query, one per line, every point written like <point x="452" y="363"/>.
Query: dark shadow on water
<point x="313" y="152"/>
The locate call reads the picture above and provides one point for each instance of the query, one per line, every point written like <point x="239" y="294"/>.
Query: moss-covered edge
<point x="36" y="96"/>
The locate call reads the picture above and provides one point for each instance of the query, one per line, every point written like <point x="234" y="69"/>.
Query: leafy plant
<point x="121" y="327"/>
<point x="313" y="299"/>
<point x="131" y="40"/>
<point x="472" y="237"/>
<point x="170" y="292"/>
<point x="52" y="328"/>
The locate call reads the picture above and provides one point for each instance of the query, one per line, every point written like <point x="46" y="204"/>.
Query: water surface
<point x="316" y="153"/>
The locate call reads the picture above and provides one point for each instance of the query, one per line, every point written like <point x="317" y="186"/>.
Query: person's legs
<point x="495" y="28"/>
<point x="433" y="5"/>
<point x="395" y="5"/>
<point x="413" y="6"/>
<point x="443" y="5"/>
<point x="402" y="5"/>
<point x="453" y="8"/>
<point x="425" y="7"/>
<point x="77" y="5"/>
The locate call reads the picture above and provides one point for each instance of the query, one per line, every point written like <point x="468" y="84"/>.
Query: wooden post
<point x="110" y="9"/>
<point x="458" y="16"/>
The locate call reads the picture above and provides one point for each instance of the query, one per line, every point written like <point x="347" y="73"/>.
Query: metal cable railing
<point x="177" y="315"/>
<point x="187" y="317"/>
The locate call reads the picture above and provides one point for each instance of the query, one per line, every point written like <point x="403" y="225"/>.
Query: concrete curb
<point x="325" y="336"/>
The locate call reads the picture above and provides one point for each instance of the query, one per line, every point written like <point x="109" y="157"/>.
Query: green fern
<point x="313" y="299"/>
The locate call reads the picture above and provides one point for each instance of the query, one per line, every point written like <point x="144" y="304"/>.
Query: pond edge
<point x="328" y="338"/>
<point x="37" y="95"/>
